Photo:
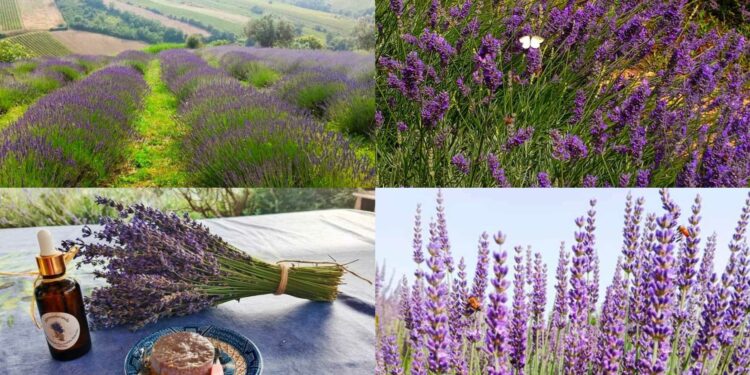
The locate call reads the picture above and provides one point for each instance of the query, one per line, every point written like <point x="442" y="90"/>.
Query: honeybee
<point x="509" y="120"/>
<point x="685" y="232"/>
<point x="473" y="304"/>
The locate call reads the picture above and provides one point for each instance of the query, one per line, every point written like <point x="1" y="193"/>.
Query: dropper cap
<point x="50" y="261"/>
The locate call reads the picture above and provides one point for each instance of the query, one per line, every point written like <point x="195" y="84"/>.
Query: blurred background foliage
<point x="49" y="207"/>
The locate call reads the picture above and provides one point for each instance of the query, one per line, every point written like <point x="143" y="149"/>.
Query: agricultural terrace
<point x="40" y="43"/>
<point x="232" y="15"/>
<point x="10" y="16"/>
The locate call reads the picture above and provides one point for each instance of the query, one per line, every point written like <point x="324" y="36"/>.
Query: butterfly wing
<point x="536" y="41"/>
<point x="525" y="42"/>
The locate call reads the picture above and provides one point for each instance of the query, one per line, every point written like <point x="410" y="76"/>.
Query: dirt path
<point x="87" y="43"/>
<point x="186" y="28"/>
<point x="156" y="158"/>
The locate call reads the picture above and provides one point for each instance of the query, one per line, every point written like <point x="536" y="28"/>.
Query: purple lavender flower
<point x="391" y="357"/>
<point x="517" y="336"/>
<point x="610" y="345"/>
<point x="397" y="7"/>
<point x="496" y="318"/>
<point x="434" y="109"/>
<point x="543" y="180"/>
<point x="578" y="106"/>
<point x="460" y="162"/>
<point x="568" y="147"/>
<point x="538" y="301"/>
<point x="498" y="174"/>
<point x="436" y="327"/>
<point x="434" y="42"/>
<point x="518" y="138"/>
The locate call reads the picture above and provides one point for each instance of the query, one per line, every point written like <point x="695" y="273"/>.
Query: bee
<point x="509" y="120"/>
<point x="685" y="232"/>
<point x="473" y="304"/>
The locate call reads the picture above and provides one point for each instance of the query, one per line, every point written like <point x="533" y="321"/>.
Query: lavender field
<point x="562" y="93"/>
<point x="672" y="298"/>
<point x="225" y="116"/>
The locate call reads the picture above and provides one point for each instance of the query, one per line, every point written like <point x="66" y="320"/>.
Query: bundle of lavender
<point x="159" y="265"/>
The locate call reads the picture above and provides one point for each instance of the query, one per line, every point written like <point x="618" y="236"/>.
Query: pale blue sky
<point x="540" y="218"/>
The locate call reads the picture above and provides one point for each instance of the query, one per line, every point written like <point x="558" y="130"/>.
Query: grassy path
<point x="156" y="158"/>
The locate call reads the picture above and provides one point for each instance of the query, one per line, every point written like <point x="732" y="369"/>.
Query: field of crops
<point x="41" y="43"/>
<point x="10" y="16"/>
<point x="232" y="15"/>
<point x="266" y="118"/>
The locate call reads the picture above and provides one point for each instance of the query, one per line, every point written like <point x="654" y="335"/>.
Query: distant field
<point x="87" y="43"/>
<point x="10" y="16"/>
<point x="232" y="15"/>
<point x="186" y="28"/>
<point x="41" y="43"/>
<point x="352" y="5"/>
<point x="219" y="21"/>
<point x="40" y="14"/>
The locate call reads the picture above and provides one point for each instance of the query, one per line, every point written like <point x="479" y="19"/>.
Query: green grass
<point x="12" y="115"/>
<point x="156" y="48"/>
<point x="156" y="158"/>
<point x="10" y="16"/>
<point x="40" y="43"/>
<point x="255" y="73"/>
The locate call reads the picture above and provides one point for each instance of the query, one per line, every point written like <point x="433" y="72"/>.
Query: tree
<point x="194" y="41"/>
<point x="364" y="34"/>
<point x="10" y="51"/>
<point x="270" y="32"/>
<point x="307" y="42"/>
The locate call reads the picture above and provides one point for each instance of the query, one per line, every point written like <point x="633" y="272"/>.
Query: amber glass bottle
<point x="60" y="303"/>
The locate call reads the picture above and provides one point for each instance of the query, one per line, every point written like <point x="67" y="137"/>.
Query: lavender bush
<point x="619" y="93"/>
<point x="158" y="265"/>
<point x="240" y="136"/>
<point x="24" y="81"/>
<point x="73" y="136"/>
<point x="665" y="311"/>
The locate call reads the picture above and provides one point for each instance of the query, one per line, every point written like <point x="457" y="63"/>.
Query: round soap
<point x="182" y="353"/>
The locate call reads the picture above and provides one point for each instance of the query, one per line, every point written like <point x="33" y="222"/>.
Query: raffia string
<point x="67" y="258"/>
<point x="284" y="269"/>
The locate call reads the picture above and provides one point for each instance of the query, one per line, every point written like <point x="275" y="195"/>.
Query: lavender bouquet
<point x="159" y="265"/>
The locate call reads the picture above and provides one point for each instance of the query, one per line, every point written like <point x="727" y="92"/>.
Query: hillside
<point x="40" y="43"/>
<point x="232" y="15"/>
<point x="185" y="27"/>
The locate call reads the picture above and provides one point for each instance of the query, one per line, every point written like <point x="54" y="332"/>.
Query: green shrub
<point x="354" y="114"/>
<point x="194" y="41"/>
<point x="156" y="48"/>
<point x="10" y="51"/>
<point x="315" y="97"/>
<point x="255" y="73"/>
<point x="67" y="72"/>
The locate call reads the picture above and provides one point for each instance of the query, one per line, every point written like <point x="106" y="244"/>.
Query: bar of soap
<point x="182" y="353"/>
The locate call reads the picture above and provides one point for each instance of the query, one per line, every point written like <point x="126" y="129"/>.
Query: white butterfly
<point x="531" y="41"/>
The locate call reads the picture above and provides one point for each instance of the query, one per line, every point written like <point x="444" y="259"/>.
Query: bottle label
<point x="62" y="330"/>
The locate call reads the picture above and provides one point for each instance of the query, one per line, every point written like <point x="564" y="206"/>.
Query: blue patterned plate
<point x="238" y="355"/>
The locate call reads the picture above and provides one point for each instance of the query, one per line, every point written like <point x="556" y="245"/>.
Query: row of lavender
<point x="24" y="81"/>
<point x="75" y="136"/>
<point x="562" y="93"/>
<point x="665" y="312"/>
<point x="337" y="87"/>
<point x="240" y="136"/>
